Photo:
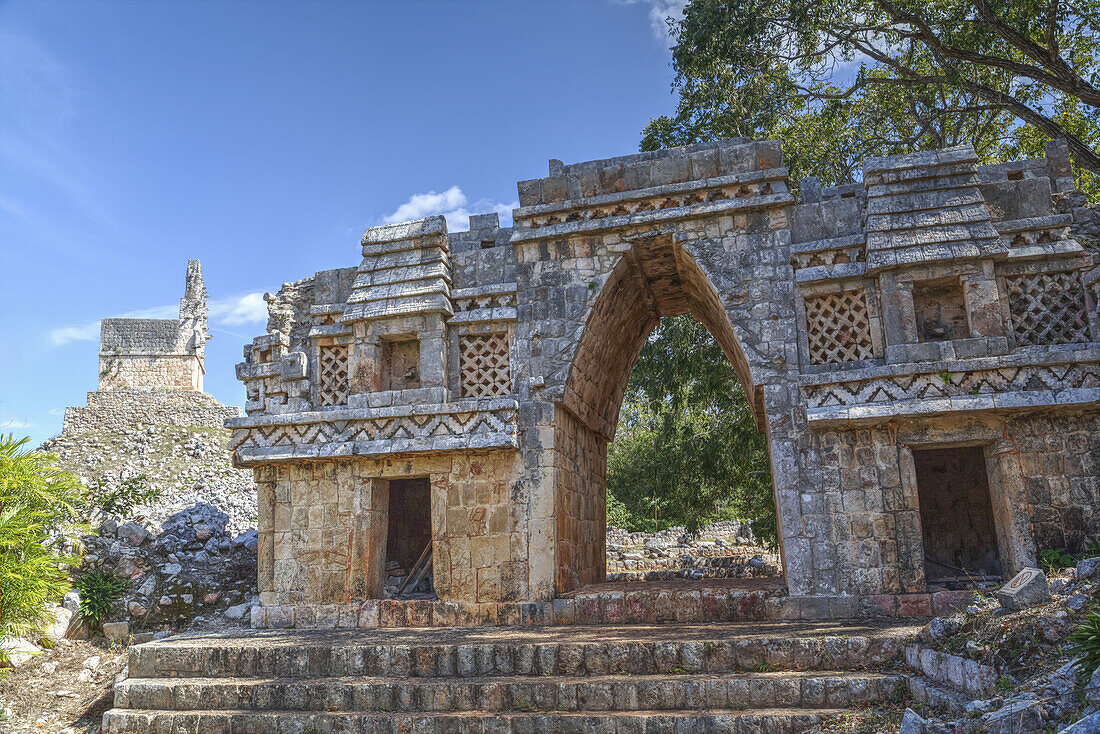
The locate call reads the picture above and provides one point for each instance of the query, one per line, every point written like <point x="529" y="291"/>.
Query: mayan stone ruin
<point x="151" y="371"/>
<point x="918" y="349"/>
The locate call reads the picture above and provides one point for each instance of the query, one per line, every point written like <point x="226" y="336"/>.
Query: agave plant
<point x="40" y="511"/>
<point x="1085" y="641"/>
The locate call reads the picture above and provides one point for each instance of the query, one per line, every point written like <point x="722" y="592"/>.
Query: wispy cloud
<point x="17" y="425"/>
<point x="453" y="205"/>
<point x="249" y="308"/>
<point x="659" y="13"/>
<point x="39" y="104"/>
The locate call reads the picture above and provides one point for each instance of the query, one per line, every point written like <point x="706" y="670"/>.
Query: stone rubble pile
<point x="188" y="573"/>
<point x="721" y="550"/>
<point x="1008" y="671"/>
<point x="189" y="465"/>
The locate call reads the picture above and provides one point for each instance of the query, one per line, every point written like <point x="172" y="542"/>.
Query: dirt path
<point x="62" y="691"/>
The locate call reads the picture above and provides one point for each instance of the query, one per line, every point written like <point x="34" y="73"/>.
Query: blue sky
<point x="263" y="138"/>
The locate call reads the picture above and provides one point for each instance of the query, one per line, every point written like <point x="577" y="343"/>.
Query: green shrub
<point x="1085" y="641"/>
<point x="99" y="590"/>
<point x="40" y="510"/>
<point x="1092" y="548"/>
<point x="1055" y="559"/>
<point x="120" y="500"/>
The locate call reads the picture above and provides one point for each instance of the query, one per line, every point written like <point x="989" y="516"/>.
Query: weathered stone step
<point x="511" y="694"/>
<point x="524" y="651"/>
<point x="772" y="721"/>
<point x="683" y="574"/>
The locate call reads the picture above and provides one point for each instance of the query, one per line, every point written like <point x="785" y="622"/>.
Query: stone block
<point x="1088" y="569"/>
<point x="1026" y="589"/>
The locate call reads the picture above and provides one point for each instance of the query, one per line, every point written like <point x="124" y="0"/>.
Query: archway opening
<point x="689" y="494"/>
<point x="655" y="280"/>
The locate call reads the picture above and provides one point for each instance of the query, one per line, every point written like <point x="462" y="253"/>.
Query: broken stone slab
<point x="15" y="651"/>
<point x="1026" y="589"/>
<point x="1088" y="568"/>
<point x="1020" y="716"/>
<point x="911" y="723"/>
<point x="1088" y="725"/>
<point x="116" y="631"/>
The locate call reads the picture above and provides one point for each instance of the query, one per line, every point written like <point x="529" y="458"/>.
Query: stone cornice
<point x="461" y="425"/>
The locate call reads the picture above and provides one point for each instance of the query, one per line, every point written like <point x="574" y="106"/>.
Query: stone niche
<point x="400" y="364"/>
<point x="940" y="310"/>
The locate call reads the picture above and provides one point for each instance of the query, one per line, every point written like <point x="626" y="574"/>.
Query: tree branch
<point x="1061" y="77"/>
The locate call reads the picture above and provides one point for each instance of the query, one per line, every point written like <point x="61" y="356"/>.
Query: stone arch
<point x="654" y="279"/>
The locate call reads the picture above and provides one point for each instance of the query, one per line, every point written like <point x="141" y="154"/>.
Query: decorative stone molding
<point x="1064" y="378"/>
<point x="459" y="425"/>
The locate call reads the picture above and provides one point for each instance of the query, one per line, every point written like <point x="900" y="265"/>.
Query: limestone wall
<point x="120" y="410"/>
<point x="323" y="525"/>
<point x="1044" y="486"/>
<point x="153" y="372"/>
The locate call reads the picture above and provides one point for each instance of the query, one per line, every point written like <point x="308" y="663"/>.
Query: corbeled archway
<point x="654" y="279"/>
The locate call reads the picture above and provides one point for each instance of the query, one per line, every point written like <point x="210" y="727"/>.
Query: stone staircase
<point x="769" y="677"/>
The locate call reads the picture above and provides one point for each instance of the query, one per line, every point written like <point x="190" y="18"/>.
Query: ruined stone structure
<point x="151" y="370"/>
<point x="918" y="349"/>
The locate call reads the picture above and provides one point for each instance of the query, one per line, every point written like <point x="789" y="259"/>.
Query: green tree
<point x="840" y="80"/>
<point x="687" y="450"/>
<point x="40" y="508"/>
<point x="836" y="81"/>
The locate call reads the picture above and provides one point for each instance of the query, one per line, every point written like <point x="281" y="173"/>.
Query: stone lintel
<point x="693" y="211"/>
<point x="1003" y="402"/>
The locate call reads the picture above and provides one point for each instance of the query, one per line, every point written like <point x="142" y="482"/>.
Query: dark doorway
<point x="408" y="539"/>
<point x="956" y="513"/>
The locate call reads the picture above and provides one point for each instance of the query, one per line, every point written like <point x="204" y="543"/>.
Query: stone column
<point x="369" y="534"/>
<point x="265" y="530"/>
<point x="899" y="318"/>
<point x="1015" y="539"/>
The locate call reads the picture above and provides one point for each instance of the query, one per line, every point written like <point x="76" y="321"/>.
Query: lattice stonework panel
<point x="1047" y="308"/>
<point x="332" y="375"/>
<point x="839" y="328"/>
<point x="483" y="365"/>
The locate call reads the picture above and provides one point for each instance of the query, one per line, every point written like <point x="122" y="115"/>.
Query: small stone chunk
<point x="116" y="631"/>
<point x="1026" y="589"/>
<point x="16" y="651"/>
<point x="911" y="723"/>
<point x="1088" y="568"/>
<point x="1088" y="725"/>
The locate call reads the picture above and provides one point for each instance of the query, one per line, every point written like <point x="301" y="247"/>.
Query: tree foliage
<point x="687" y="450"/>
<point x="40" y="507"/>
<point x="840" y="80"/>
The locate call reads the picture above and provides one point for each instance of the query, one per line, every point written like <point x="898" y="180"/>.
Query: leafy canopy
<point x="840" y="80"/>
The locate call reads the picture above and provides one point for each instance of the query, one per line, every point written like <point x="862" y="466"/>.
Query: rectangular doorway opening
<point x="956" y="515"/>
<point x="409" y="540"/>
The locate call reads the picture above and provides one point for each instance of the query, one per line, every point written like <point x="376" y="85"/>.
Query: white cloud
<point x="453" y="205"/>
<point x="65" y="334"/>
<point x="249" y="308"/>
<point x="659" y="13"/>
<point x="425" y="205"/>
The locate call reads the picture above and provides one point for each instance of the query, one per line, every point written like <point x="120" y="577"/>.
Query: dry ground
<point x="60" y="702"/>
